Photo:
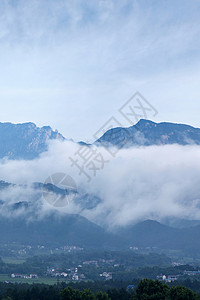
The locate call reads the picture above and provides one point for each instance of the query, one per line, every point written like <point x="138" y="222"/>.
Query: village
<point x="172" y="278"/>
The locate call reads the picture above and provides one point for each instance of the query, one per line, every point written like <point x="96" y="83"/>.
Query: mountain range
<point x="55" y="230"/>
<point x="72" y="229"/>
<point x="27" y="141"/>
<point x="22" y="223"/>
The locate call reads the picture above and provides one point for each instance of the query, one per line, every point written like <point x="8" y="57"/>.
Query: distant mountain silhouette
<point x="147" y="133"/>
<point x="27" y="141"/>
<point x="151" y="233"/>
<point x="55" y="230"/>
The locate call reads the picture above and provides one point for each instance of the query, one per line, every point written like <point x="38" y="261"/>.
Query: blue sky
<point x="73" y="64"/>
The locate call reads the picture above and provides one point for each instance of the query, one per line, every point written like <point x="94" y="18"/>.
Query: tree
<point x="120" y="294"/>
<point x="182" y="293"/>
<point x="151" y="290"/>
<point x="70" y="294"/>
<point x="102" y="296"/>
<point x="155" y="290"/>
<point x="87" y="295"/>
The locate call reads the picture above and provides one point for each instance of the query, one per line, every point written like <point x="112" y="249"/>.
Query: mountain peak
<point x="25" y="140"/>
<point x="145" y="121"/>
<point x="142" y="123"/>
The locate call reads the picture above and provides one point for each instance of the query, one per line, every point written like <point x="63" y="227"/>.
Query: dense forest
<point x="147" y="289"/>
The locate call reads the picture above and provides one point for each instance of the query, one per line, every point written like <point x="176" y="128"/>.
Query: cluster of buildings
<point x="71" y="248"/>
<point x="26" y="250"/>
<point x="191" y="273"/>
<point x="98" y="262"/>
<point x="71" y="274"/>
<point x="106" y="275"/>
<point x="75" y="274"/>
<point x="172" y="278"/>
<point x="31" y="276"/>
<point x="167" y="279"/>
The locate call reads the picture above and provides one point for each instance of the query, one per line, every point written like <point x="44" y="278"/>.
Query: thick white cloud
<point x="140" y="183"/>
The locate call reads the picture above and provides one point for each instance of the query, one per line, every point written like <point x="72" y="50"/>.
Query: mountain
<point x="25" y="141"/>
<point x="179" y="222"/>
<point x="24" y="219"/>
<point x="147" y="133"/>
<point x="151" y="233"/>
<point x="55" y="230"/>
<point x="15" y="197"/>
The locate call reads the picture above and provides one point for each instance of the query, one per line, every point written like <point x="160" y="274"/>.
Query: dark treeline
<point x="146" y="289"/>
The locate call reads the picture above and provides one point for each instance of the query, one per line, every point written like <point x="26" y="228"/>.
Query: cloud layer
<point x="154" y="182"/>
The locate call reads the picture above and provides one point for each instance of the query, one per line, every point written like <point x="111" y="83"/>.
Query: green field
<point x="13" y="260"/>
<point x="45" y="280"/>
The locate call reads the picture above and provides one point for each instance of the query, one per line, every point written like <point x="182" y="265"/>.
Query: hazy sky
<point x="72" y="64"/>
